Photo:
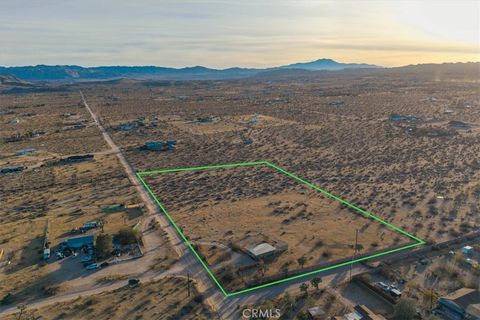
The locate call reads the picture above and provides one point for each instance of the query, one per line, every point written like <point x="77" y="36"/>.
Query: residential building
<point x="361" y="313"/>
<point x="459" y="305"/>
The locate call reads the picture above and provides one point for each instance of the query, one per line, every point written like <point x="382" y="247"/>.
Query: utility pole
<point x="188" y="283"/>
<point x="354" y="252"/>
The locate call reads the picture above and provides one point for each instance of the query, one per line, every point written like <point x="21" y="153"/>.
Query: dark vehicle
<point x="87" y="262"/>
<point x="133" y="282"/>
<point x="92" y="267"/>
<point x="104" y="264"/>
<point x="7" y="299"/>
<point x="86" y="259"/>
<point x="67" y="252"/>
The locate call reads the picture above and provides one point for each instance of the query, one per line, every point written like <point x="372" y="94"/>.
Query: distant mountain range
<point x="73" y="73"/>
<point x="327" y="64"/>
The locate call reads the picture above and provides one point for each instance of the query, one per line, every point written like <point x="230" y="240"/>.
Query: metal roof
<point x="80" y="241"/>
<point x="261" y="249"/>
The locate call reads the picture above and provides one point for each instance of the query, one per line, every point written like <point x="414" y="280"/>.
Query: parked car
<point x="86" y="259"/>
<point x="67" y="252"/>
<point x="92" y="267"/>
<point x="395" y="293"/>
<point x="104" y="264"/>
<point x="133" y="282"/>
<point x="383" y="286"/>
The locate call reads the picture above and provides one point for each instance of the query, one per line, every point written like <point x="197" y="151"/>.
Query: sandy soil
<point x="244" y="206"/>
<point x="163" y="299"/>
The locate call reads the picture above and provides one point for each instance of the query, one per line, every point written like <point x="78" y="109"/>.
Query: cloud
<point x="222" y="33"/>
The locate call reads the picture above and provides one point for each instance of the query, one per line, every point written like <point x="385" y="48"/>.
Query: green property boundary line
<point x="365" y="213"/>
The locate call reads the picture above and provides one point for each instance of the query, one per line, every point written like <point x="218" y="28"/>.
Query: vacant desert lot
<point x="227" y="210"/>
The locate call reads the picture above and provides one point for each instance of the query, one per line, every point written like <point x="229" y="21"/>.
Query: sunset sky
<point x="242" y="33"/>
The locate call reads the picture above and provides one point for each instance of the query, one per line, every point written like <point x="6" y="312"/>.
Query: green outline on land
<point x="365" y="213"/>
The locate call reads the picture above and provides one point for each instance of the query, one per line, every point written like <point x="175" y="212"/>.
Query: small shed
<point x="262" y="251"/>
<point x="316" y="313"/>
<point x="160" y="145"/>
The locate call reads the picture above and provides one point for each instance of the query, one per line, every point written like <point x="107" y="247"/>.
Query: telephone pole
<point x="188" y="283"/>
<point x="354" y="252"/>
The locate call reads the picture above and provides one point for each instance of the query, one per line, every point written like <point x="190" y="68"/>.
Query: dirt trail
<point x="188" y="260"/>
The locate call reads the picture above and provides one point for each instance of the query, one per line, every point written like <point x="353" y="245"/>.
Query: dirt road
<point x="188" y="260"/>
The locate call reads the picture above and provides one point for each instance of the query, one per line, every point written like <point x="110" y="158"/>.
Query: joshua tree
<point x="430" y="297"/>
<point x="315" y="282"/>
<point x="22" y="307"/>
<point x="405" y="309"/>
<point x="304" y="287"/>
<point x="301" y="261"/>
<point x="285" y="270"/>
<point x="263" y="267"/>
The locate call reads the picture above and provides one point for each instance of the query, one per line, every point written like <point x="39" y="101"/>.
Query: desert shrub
<point x="104" y="245"/>
<point x="326" y="254"/>
<point x="126" y="236"/>
<point x="50" y="290"/>
<point x="405" y="309"/>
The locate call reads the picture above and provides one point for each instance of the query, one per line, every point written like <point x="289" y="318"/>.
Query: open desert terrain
<point x="399" y="143"/>
<point x="165" y="299"/>
<point x="225" y="212"/>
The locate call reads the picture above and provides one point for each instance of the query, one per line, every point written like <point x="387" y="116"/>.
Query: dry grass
<point x="164" y="299"/>
<point x="242" y="207"/>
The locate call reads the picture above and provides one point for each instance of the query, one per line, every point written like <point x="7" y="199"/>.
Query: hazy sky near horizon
<point x="246" y="33"/>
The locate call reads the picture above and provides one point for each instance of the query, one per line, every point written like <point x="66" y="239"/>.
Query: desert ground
<point x="402" y="148"/>
<point x="226" y="211"/>
<point x="400" y="143"/>
<point x="165" y="299"/>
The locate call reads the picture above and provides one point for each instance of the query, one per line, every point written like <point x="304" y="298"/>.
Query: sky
<point x="244" y="33"/>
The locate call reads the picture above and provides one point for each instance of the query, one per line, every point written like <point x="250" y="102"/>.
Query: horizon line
<point x="232" y="67"/>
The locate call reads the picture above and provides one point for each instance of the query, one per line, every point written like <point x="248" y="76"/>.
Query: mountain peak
<point x="327" y="64"/>
<point x="325" y="60"/>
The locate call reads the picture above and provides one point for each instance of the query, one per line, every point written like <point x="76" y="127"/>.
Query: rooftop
<point x="261" y="249"/>
<point x="316" y="311"/>
<point x="464" y="297"/>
